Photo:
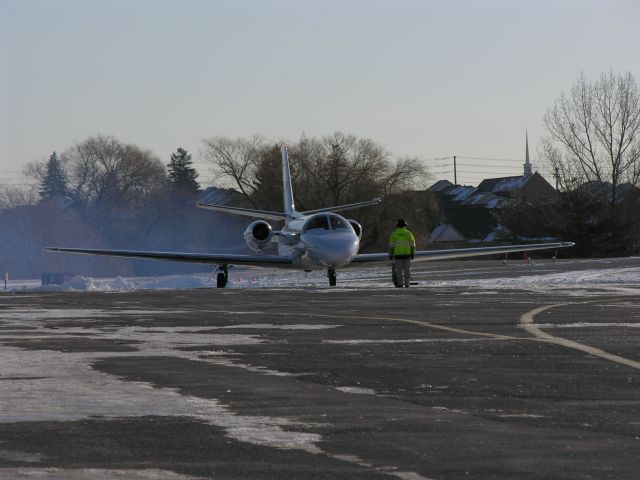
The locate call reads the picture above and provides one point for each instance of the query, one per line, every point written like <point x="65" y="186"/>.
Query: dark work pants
<point x="403" y="271"/>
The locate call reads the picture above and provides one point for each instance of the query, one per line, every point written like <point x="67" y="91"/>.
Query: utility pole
<point x="455" y="171"/>
<point x="557" y="176"/>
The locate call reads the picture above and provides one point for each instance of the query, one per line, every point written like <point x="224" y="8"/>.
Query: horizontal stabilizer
<point x="244" y="211"/>
<point x="341" y="208"/>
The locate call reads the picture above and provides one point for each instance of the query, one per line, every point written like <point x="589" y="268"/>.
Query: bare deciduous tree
<point x="101" y="170"/>
<point x="594" y="133"/>
<point x="236" y="159"/>
<point x="333" y="170"/>
<point x="11" y="196"/>
<point x="340" y="168"/>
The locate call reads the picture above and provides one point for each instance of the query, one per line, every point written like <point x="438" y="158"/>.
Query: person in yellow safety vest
<point x="402" y="247"/>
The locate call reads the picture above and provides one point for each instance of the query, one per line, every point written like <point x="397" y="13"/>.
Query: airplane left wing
<point x="207" y="258"/>
<point x="244" y="211"/>
<point x="448" y="254"/>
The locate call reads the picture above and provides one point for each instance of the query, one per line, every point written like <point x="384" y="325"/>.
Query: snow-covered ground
<point x="607" y="274"/>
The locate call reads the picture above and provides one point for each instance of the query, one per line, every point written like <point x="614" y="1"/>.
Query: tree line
<point x="108" y="194"/>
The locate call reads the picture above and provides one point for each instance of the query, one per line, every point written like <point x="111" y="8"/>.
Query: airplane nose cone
<point x="332" y="250"/>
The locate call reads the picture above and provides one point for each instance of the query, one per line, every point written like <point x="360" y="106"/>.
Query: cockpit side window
<point x="317" y="223"/>
<point x="337" y="223"/>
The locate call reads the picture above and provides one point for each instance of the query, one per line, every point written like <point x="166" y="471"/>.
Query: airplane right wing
<point x="206" y="258"/>
<point x="342" y="208"/>
<point x="447" y="254"/>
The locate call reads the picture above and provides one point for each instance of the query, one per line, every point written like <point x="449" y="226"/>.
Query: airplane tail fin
<point x="289" y="207"/>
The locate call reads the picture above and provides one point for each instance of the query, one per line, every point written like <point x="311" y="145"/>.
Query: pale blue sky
<point x="424" y="78"/>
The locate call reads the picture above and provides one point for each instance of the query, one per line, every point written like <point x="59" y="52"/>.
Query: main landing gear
<point x="333" y="278"/>
<point x="223" y="276"/>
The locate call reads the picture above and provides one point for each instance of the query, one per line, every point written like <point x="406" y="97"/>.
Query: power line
<point x="490" y="158"/>
<point x="482" y="172"/>
<point x="496" y="165"/>
<point x="483" y="168"/>
<point x="435" y="159"/>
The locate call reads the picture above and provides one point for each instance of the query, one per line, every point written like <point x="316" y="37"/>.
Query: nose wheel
<point x="333" y="278"/>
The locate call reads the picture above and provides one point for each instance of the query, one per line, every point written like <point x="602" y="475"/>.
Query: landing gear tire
<point x="223" y="277"/>
<point x="333" y="278"/>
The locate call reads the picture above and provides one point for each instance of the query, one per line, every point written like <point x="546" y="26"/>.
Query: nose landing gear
<point x="223" y="276"/>
<point x="333" y="278"/>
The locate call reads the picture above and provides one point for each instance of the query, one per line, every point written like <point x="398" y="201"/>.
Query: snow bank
<point x="378" y="277"/>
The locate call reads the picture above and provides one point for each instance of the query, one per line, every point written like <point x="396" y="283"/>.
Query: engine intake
<point x="258" y="235"/>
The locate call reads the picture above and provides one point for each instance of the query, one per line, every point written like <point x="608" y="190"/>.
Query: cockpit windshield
<point x="338" y="223"/>
<point x="319" y="222"/>
<point x="325" y="222"/>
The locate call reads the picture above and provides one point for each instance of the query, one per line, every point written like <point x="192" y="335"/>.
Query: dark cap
<point x="402" y="222"/>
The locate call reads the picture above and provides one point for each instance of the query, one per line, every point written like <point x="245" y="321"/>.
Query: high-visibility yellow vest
<point x="401" y="242"/>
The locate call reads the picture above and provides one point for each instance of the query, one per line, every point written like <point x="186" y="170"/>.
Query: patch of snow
<point x="356" y="390"/>
<point x="269" y="326"/>
<point x="586" y="324"/>
<point x="520" y="415"/>
<point x="45" y="385"/>
<point x="30" y="473"/>
<point x="410" y="340"/>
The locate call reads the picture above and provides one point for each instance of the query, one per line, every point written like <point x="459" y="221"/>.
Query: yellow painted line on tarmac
<point x="528" y="322"/>
<point x="422" y="324"/>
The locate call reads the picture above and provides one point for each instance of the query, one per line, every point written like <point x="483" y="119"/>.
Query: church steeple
<point x="527" y="164"/>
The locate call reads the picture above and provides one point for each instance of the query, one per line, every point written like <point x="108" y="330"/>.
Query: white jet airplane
<point x="312" y="240"/>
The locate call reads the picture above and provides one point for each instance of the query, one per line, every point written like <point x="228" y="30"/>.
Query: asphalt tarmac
<point x="448" y="382"/>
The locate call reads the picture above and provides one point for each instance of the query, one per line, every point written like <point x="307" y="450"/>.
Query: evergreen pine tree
<point x="55" y="181"/>
<point x="182" y="176"/>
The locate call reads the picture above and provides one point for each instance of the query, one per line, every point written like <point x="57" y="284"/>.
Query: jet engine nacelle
<point x="258" y="235"/>
<point x="356" y="228"/>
